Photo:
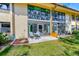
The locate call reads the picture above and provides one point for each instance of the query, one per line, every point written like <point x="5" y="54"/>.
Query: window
<point x="73" y="17"/>
<point x="31" y="28"/>
<point x="58" y="16"/>
<point x="5" y="27"/>
<point x="34" y="28"/>
<point x="77" y="18"/>
<point x="55" y="15"/>
<point x="38" y="13"/>
<point x="4" y="6"/>
<point x="73" y="27"/>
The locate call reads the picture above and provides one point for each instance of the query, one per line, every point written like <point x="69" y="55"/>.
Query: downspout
<point x="13" y="24"/>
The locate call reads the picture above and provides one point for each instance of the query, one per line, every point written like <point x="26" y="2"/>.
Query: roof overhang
<point x="57" y="7"/>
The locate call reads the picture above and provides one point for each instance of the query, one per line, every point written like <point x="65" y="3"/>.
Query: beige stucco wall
<point x="21" y="22"/>
<point x="6" y="16"/>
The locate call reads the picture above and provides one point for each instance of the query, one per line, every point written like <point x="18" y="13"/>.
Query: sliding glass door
<point x="59" y="27"/>
<point x="33" y="28"/>
<point x="42" y="28"/>
<point x="55" y="27"/>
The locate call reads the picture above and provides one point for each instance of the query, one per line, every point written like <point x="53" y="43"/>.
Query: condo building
<point x="19" y="19"/>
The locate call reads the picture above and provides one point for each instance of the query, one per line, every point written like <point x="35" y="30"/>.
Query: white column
<point x="51" y="25"/>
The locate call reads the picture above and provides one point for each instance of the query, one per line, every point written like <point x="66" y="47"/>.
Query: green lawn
<point x="15" y="51"/>
<point x="54" y="48"/>
<point x="50" y="48"/>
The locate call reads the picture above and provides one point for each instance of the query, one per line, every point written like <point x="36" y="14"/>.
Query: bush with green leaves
<point x="75" y="32"/>
<point x="74" y="39"/>
<point x="3" y="38"/>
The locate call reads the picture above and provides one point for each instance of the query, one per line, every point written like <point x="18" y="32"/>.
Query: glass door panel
<point x="61" y="28"/>
<point x="55" y="27"/>
<point x="34" y="28"/>
<point x="40" y="28"/>
<point x="30" y="28"/>
<point x="46" y="28"/>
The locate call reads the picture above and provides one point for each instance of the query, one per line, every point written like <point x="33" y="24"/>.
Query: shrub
<point x="3" y="38"/>
<point x="76" y="32"/>
<point x="70" y="40"/>
<point x="74" y="39"/>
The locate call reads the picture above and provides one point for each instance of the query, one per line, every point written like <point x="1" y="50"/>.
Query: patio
<point x="41" y="39"/>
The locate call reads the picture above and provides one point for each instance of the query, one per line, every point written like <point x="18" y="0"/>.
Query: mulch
<point x="18" y="41"/>
<point x="21" y="42"/>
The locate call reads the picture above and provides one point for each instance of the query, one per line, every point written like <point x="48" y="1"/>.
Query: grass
<point x="54" y="48"/>
<point x="66" y="46"/>
<point x="15" y="51"/>
<point x="49" y="48"/>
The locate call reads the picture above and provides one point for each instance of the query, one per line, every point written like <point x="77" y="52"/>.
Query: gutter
<point x="13" y="24"/>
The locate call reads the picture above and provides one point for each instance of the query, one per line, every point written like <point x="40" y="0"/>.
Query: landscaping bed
<point x="20" y="41"/>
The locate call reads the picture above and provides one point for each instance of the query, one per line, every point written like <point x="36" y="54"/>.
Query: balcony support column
<point x="51" y="23"/>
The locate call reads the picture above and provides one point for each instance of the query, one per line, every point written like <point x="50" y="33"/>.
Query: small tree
<point x="3" y="38"/>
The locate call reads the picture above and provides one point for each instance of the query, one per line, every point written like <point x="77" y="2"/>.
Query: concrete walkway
<point x="42" y="39"/>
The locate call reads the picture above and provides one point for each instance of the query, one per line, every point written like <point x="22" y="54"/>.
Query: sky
<point x="72" y="5"/>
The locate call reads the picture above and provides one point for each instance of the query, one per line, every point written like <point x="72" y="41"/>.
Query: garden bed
<point x="20" y="41"/>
